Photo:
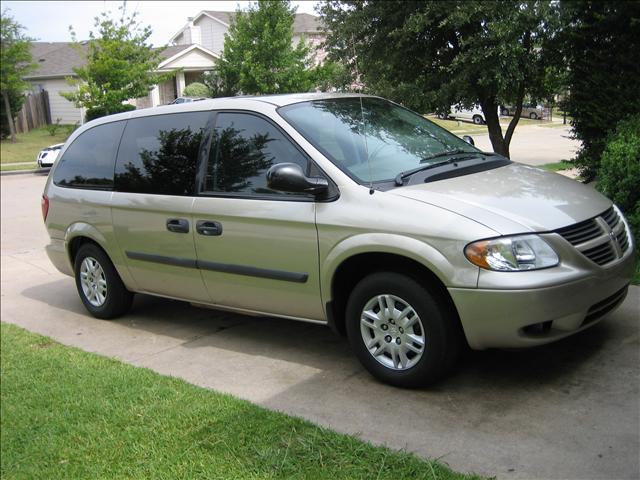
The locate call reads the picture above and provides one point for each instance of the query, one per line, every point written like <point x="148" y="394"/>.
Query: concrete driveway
<point x="536" y="145"/>
<point x="568" y="410"/>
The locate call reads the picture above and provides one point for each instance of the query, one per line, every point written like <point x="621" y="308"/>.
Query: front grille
<point x="603" y="307"/>
<point x="602" y="239"/>
<point x="581" y="232"/>
<point x="602" y="254"/>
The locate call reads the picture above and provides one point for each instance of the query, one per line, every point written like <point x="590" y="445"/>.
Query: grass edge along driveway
<point x="72" y="414"/>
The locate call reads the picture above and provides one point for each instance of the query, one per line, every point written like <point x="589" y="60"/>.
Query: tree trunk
<point x="516" y="115"/>
<point x="490" y="110"/>
<point x="7" y="109"/>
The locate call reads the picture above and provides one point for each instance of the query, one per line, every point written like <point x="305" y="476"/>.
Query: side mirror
<point x="289" y="177"/>
<point x="469" y="140"/>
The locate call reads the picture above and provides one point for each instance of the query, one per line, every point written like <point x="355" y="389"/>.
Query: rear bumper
<point x="57" y="253"/>
<point x="530" y="317"/>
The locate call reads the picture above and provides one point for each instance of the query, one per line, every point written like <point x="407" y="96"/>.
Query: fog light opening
<point x="538" y="329"/>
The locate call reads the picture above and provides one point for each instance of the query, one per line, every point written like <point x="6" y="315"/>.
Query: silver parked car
<point x="529" y="110"/>
<point x="342" y="210"/>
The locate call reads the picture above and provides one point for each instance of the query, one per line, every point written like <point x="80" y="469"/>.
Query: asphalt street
<point x="567" y="410"/>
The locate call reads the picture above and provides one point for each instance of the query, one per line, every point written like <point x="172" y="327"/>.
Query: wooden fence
<point x="34" y="113"/>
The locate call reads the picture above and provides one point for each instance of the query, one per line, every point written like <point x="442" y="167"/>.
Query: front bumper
<point x="501" y="318"/>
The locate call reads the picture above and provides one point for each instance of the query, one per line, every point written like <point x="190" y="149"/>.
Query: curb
<point x="38" y="171"/>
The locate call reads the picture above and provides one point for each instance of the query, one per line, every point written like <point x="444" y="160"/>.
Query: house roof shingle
<point x="58" y="59"/>
<point x="303" y="22"/>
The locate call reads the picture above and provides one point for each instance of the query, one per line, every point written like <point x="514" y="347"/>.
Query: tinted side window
<point x="160" y="154"/>
<point x="89" y="160"/>
<point x="243" y="148"/>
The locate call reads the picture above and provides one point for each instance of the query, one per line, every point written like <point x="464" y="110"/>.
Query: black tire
<point x="533" y="116"/>
<point x="477" y="119"/>
<point x="441" y="329"/>
<point x="117" y="299"/>
<point x="505" y="112"/>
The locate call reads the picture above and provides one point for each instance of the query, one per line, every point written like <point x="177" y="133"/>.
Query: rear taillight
<point x="45" y="207"/>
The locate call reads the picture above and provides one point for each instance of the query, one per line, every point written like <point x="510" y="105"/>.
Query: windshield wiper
<point x="399" y="180"/>
<point x="444" y="153"/>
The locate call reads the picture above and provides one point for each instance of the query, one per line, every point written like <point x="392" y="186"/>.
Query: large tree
<point x="15" y="63"/>
<point x="600" y="47"/>
<point x="259" y="56"/>
<point x="120" y="64"/>
<point x="432" y="54"/>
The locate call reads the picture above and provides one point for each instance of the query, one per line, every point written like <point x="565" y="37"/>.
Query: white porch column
<point x="155" y="96"/>
<point x="180" y="83"/>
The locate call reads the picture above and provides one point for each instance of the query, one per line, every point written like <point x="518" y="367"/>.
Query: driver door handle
<point x="178" y="225"/>
<point x="209" y="228"/>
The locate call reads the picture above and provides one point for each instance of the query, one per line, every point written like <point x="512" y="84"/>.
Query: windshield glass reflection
<point x="370" y="138"/>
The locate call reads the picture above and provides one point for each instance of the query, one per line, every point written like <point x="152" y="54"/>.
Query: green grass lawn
<point x="29" y="144"/>
<point x="557" y="166"/>
<point x="21" y="166"/>
<point x="66" y="413"/>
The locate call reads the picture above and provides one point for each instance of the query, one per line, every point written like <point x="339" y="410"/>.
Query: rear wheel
<point x="99" y="285"/>
<point x="533" y="116"/>
<point x="400" y="331"/>
<point x="505" y="112"/>
<point x="477" y="119"/>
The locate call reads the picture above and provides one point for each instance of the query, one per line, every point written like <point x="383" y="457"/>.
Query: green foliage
<point x="69" y="129"/>
<point x="430" y="55"/>
<point x="15" y="63"/>
<point x="332" y="76"/>
<point x="619" y="174"/>
<point x="120" y="64"/>
<point x="196" y="89"/>
<point x="53" y="128"/>
<point x="97" y="112"/>
<point x="258" y="55"/>
<point x="600" y="47"/>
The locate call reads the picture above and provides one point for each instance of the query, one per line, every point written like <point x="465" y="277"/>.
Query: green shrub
<point x="71" y="128"/>
<point x="619" y="174"/>
<point x="52" y="128"/>
<point x="97" y="112"/>
<point x="196" y="89"/>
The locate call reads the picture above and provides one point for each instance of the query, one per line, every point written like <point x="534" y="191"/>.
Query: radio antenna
<point x="366" y="147"/>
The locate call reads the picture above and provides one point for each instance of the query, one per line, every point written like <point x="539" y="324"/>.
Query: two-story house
<point x="192" y="51"/>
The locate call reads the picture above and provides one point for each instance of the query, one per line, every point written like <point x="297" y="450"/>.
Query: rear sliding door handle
<point x="209" y="228"/>
<point x="178" y="225"/>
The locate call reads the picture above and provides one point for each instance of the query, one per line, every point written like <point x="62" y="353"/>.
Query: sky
<point x="48" y="21"/>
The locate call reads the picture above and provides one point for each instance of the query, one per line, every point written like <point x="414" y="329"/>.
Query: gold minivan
<point x="344" y="210"/>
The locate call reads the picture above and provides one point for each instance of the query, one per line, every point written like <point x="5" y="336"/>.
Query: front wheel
<point x="533" y="116"/>
<point x="400" y="330"/>
<point x="477" y="119"/>
<point x="99" y="285"/>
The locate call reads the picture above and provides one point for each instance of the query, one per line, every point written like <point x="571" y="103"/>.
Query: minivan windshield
<point x="371" y="139"/>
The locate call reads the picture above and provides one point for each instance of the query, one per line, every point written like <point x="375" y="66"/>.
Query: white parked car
<point x="48" y="155"/>
<point x="474" y="114"/>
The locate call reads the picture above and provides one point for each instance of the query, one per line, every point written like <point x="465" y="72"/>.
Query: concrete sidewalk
<point x="568" y="410"/>
<point x="536" y="145"/>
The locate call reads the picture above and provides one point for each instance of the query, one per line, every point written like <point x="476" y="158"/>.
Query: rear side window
<point x="89" y="160"/>
<point x="244" y="147"/>
<point x="159" y="154"/>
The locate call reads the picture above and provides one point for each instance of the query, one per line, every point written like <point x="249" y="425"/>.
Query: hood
<point x="512" y="199"/>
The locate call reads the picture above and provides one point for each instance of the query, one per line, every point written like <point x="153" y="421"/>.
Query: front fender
<point x="401" y="245"/>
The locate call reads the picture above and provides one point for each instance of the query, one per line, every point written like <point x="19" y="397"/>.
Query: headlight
<point x="512" y="254"/>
